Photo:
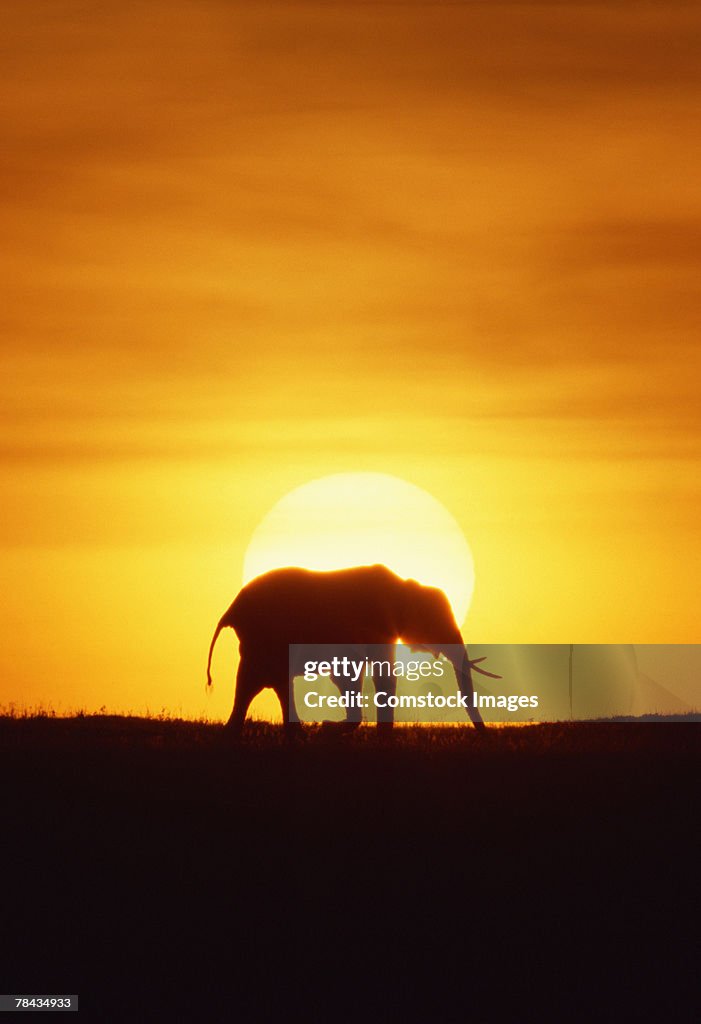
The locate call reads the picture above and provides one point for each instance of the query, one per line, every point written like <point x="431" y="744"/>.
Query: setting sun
<point x="352" y="519"/>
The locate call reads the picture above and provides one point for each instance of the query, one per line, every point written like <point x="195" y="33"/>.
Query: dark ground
<point x="545" y="873"/>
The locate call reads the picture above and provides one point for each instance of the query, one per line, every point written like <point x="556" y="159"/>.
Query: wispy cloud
<point x="214" y="209"/>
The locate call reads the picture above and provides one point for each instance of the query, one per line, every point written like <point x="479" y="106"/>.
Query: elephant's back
<point x="303" y="606"/>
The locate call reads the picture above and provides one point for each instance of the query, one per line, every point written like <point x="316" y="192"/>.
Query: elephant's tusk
<point x="474" y="665"/>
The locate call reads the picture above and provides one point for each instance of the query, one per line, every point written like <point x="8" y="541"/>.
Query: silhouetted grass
<point x="162" y="874"/>
<point x="45" y="730"/>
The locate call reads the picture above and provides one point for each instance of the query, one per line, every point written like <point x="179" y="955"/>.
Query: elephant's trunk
<point x="220" y="625"/>
<point x="463" y="673"/>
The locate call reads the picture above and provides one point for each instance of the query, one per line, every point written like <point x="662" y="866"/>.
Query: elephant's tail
<point x="220" y="626"/>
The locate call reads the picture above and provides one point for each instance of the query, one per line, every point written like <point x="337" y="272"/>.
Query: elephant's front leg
<point x="385" y="684"/>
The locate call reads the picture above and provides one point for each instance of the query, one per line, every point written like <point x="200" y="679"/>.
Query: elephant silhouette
<point x="365" y="605"/>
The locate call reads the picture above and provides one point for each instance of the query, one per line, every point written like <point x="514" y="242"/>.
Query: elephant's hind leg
<point x="354" y="714"/>
<point x="247" y="686"/>
<point x="294" y="730"/>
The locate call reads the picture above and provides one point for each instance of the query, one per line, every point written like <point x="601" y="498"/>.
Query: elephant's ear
<point x="410" y="608"/>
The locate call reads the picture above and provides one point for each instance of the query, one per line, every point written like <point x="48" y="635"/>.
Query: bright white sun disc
<point x="348" y="519"/>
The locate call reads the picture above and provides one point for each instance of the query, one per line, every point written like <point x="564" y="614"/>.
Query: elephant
<point x="365" y="605"/>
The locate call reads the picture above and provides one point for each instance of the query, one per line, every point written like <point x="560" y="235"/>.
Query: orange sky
<point x="246" y="245"/>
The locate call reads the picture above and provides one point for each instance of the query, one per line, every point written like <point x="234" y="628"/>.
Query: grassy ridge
<point x="46" y="730"/>
<point x="156" y="871"/>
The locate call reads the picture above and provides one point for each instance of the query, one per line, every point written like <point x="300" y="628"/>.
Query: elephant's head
<point x="427" y="623"/>
<point x="426" y="618"/>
